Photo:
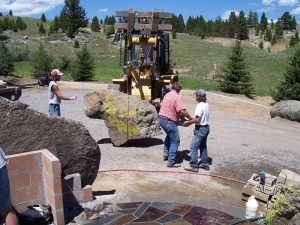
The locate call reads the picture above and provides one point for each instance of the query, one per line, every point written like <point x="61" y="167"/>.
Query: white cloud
<point x="296" y="11"/>
<point x="226" y="14"/>
<point x="28" y="7"/>
<point x="267" y="9"/>
<point x="287" y="2"/>
<point x="104" y="10"/>
<point x="267" y="2"/>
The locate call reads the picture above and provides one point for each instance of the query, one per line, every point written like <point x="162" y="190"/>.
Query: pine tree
<point x="51" y="30"/>
<point x="268" y="36"/>
<point x="21" y="24"/>
<point x="255" y="18"/>
<point x="294" y="40"/>
<point x="6" y="60"/>
<point x="72" y="17"/>
<point x="236" y="78"/>
<point x="42" y="30"/>
<point x="257" y="28"/>
<point x="101" y="21"/>
<point x="181" y="23"/>
<point x="76" y="44"/>
<point x="95" y="26"/>
<point x="43" y="18"/>
<point x="287" y="21"/>
<point x="263" y="22"/>
<point x="56" y="24"/>
<point x="242" y="28"/>
<point x="232" y="25"/>
<point x="84" y="66"/>
<point x="289" y="87"/>
<point x="272" y="24"/>
<point x="278" y="30"/>
<point x="261" y="45"/>
<point x="294" y="23"/>
<point x="109" y="30"/>
<point x="174" y="34"/>
<point x="41" y="62"/>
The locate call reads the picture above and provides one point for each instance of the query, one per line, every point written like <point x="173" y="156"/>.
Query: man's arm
<point x="184" y="113"/>
<point x="195" y="120"/>
<point x="57" y="92"/>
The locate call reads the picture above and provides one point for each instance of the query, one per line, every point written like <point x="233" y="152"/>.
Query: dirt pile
<point x="126" y="117"/>
<point x="24" y="130"/>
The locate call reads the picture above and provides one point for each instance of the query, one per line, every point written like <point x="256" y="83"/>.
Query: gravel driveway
<point x="243" y="137"/>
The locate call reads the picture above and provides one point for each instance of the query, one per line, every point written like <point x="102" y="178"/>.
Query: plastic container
<point x="251" y="207"/>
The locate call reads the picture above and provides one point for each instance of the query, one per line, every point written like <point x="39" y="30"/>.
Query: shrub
<point x="76" y="44"/>
<point x="84" y="66"/>
<point x="109" y="30"/>
<point x="6" y="61"/>
<point x="289" y="87"/>
<point x="41" y="62"/>
<point x="236" y="79"/>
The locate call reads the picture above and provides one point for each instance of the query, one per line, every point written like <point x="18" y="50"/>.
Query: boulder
<point x="287" y="109"/>
<point x="125" y="116"/>
<point x="23" y="130"/>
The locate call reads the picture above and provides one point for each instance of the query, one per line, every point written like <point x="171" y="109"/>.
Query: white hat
<point x="56" y="72"/>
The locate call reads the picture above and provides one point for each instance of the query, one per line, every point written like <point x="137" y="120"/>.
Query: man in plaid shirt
<point x="171" y="109"/>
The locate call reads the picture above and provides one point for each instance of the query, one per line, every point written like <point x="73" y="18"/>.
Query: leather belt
<point x="197" y="127"/>
<point x="165" y="118"/>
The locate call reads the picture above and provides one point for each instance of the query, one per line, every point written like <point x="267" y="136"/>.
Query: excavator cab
<point x="144" y="54"/>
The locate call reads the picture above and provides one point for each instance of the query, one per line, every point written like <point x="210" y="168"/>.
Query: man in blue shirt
<point x="6" y="210"/>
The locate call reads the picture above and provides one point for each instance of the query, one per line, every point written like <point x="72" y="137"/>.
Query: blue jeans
<point x="54" y="110"/>
<point x="199" y="141"/>
<point x="172" y="139"/>
<point x="4" y="190"/>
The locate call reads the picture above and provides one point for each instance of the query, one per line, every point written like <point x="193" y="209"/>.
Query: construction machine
<point x="144" y="54"/>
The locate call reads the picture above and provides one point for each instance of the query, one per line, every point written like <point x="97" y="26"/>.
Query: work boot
<point x="191" y="169"/>
<point x="173" y="165"/>
<point x="204" y="166"/>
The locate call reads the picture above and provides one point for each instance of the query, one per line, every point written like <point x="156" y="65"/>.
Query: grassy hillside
<point x="195" y="59"/>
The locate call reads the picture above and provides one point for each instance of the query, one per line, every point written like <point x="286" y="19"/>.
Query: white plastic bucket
<point x="251" y="207"/>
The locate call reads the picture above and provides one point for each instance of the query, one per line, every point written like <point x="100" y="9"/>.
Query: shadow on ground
<point x="137" y="143"/>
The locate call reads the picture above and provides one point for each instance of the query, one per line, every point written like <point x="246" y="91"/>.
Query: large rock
<point x="287" y="109"/>
<point x="24" y="130"/>
<point x="126" y="117"/>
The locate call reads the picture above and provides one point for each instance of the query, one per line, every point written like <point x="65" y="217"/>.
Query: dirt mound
<point x="16" y="80"/>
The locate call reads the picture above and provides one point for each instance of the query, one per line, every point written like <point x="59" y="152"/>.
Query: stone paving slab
<point x="156" y="213"/>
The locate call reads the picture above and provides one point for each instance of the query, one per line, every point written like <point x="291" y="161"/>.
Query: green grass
<point x="198" y="56"/>
<point x="192" y="83"/>
<point x="23" y="68"/>
<point x="194" y="56"/>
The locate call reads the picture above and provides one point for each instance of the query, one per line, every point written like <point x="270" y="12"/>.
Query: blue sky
<point x="210" y="9"/>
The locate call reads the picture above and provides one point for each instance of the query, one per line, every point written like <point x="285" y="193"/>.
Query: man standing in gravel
<point x="6" y="209"/>
<point x="200" y="133"/>
<point x="171" y="109"/>
<point x="54" y="94"/>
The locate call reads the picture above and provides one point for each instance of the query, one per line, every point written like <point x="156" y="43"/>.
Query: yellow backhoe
<point x="144" y="54"/>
